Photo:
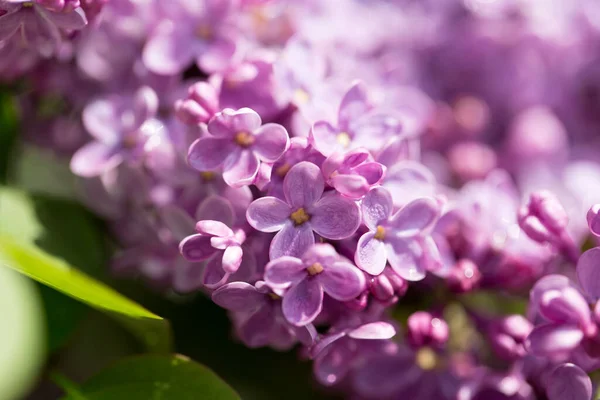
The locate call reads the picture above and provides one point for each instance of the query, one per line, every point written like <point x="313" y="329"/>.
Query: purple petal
<point x="548" y="282"/>
<point x="268" y="214"/>
<point x="168" y="51"/>
<point x="9" y="23"/>
<point x="376" y="207"/>
<point x="187" y="276"/>
<point x="196" y="248"/>
<point x="324" y="138"/>
<point x="229" y="122"/>
<point x="373" y="330"/>
<point x="291" y="241"/>
<point x="177" y="220"/>
<point x="208" y="153"/>
<point x="93" y="159"/>
<point x="408" y="181"/>
<point x="217" y="56"/>
<point x="342" y="281"/>
<point x="214" y="275"/>
<point x="303" y="185"/>
<point x="322" y="253"/>
<point x="284" y="272"/>
<point x="553" y="340"/>
<point x="216" y="208"/>
<point x="335" y="217"/>
<point x="325" y="341"/>
<point x="415" y="217"/>
<point x="271" y="141"/>
<point x="331" y="367"/>
<point x="101" y="120"/>
<point x="404" y="257"/>
<point x="213" y="228"/>
<point x="354" y="103"/>
<point x="371" y="171"/>
<point x="145" y="104"/>
<point x="370" y="254"/>
<point x="566" y="306"/>
<point x="303" y="302"/>
<point x="588" y="272"/>
<point x="568" y="382"/>
<point x="232" y="258"/>
<point x="241" y="171"/>
<point x="72" y="21"/>
<point x="351" y="186"/>
<point x="256" y="330"/>
<point x="238" y="296"/>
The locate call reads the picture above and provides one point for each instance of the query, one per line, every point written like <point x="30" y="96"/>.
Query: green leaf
<point x="8" y="132"/>
<point x="55" y="273"/>
<point x="155" y="377"/>
<point x="21" y="336"/>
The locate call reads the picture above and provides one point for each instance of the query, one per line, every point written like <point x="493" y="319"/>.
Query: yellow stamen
<point x="426" y="359"/>
<point x="380" y="233"/>
<point x="204" y="32"/>
<point x="301" y="96"/>
<point x="299" y="216"/>
<point x="274" y="296"/>
<point x="344" y="139"/>
<point x="207" y="175"/>
<point x="28" y="4"/>
<point x="244" y="139"/>
<point x="315" y="269"/>
<point x="283" y="170"/>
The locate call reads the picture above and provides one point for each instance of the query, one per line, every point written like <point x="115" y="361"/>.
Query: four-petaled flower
<point x="305" y="209"/>
<point x="401" y="239"/>
<point x="238" y="142"/>
<point x="320" y="270"/>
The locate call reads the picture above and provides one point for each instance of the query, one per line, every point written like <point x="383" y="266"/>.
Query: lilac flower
<point x="568" y="320"/>
<point x="200" y="105"/>
<point x="426" y="330"/>
<point x="304" y="210"/>
<point x="321" y="270"/>
<point x="400" y="239"/>
<point x="218" y="244"/>
<point x="507" y="336"/>
<point x="197" y="32"/>
<point x="121" y="127"/>
<point x="238" y="142"/>
<point x="38" y="25"/>
<point x="261" y="323"/>
<point x="568" y="382"/>
<point x="353" y="173"/>
<point x="358" y="125"/>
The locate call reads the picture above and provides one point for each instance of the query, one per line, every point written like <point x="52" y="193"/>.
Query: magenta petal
<point x="229" y="122"/>
<point x="333" y="366"/>
<point x="553" y="340"/>
<point x="255" y="331"/>
<point x="415" y="217"/>
<point x="93" y="159"/>
<point x="351" y="186"/>
<point x="168" y="50"/>
<point x="241" y="171"/>
<point x="208" y="153"/>
<point x="291" y="241"/>
<point x="213" y="228"/>
<point x="268" y="214"/>
<point x="217" y="56"/>
<point x="232" y="258"/>
<point x="101" y="120"/>
<point x="404" y="257"/>
<point x="370" y="254"/>
<point x="145" y="104"/>
<point x="177" y="220"/>
<point x="371" y="171"/>
<point x="565" y="306"/>
<point x="303" y="302"/>
<point x="214" y="275"/>
<point x="217" y="208"/>
<point x="196" y="248"/>
<point x="284" y="271"/>
<point x="323" y="137"/>
<point x="548" y="282"/>
<point x="373" y="330"/>
<point x="303" y="184"/>
<point x="342" y="281"/>
<point x="408" y="181"/>
<point x="354" y="103"/>
<point x="73" y="20"/>
<point x="588" y="272"/>
<point x="9" y="23"/>
<point x="568" y="382"/>
<point x="271" y="141"/>
<point x="376" y="207"/>
<point x="335" y="217"/>
<point x="238" y="296"/>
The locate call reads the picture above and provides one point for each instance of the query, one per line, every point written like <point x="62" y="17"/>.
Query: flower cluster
<point x="374" y="181"/>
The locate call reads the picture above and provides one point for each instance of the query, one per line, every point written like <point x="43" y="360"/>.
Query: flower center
<point x="380" y="233"/>
<point x="244" y="139"/>
<point x="315" y="269"/>
<point x="299" y="216"/>
<point x="426" y="359"/>
<point x="274" y="296"/>
<point x="283" y="170"/>
<point x="344" y="139"/>
<point x="204" y="32"/>
<point x="28" y="4"/>
<point x="129" y="142"/>
<point x="301" y="96"/>
<point x="207" y="176"/>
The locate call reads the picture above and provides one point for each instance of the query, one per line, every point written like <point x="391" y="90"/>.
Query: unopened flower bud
<point x="426" y="330"/>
